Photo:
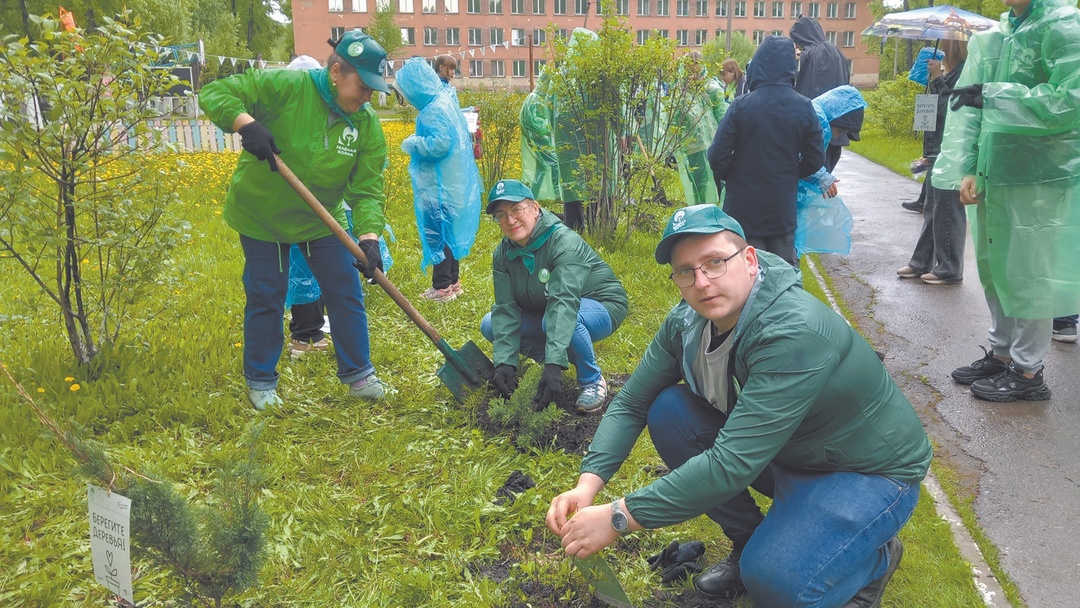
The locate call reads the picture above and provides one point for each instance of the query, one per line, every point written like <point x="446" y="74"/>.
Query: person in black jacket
<point x="822" y="67"/>
<point x="768" y="140"/>
<point x="938" y="258"/>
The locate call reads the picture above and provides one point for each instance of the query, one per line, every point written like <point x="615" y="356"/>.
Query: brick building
<point x="494" y="39"/>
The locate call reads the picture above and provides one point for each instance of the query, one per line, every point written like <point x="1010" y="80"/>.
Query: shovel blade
<point x="465" y="370"/>
<point x="602" y="579"/>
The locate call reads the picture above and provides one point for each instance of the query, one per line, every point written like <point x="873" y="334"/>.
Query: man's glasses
<point x="515" y="212"/>
<point x="711" y="269"/>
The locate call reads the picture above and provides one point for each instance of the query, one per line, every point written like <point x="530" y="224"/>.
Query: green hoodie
<point x="566" y="269"/>
<point x="339" y="164"/>
<point x="807" y="392"/>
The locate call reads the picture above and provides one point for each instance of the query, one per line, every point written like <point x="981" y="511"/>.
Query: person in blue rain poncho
<point x="445" y="179"/>
<point x="823" y="220"/>
<point x="1012" y="149"/>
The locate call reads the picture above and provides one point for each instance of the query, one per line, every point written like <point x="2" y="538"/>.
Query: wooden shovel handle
<point x="354" y="249"/>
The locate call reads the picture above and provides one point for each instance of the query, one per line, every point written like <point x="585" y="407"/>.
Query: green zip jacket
<point x="339" y="164"/>
<point x="566" y="270"/>
<point x="807" y="392"/>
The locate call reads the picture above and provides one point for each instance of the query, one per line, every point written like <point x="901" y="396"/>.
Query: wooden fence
<point x="191" y="136"/>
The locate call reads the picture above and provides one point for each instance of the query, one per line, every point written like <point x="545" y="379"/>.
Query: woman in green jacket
<point x="331" y="138"/>
<point x="554" y="297"/>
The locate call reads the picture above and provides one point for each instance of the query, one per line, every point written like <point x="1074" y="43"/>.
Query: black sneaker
<point x="723" y="581"/>
<point x="1011" y="385"/>
<point x="870" y="595"/>
<point x="983" y="368"/>
<point x="915" y="206"/>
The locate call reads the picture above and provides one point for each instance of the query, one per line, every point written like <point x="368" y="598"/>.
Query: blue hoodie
<point x="767" y="140"/>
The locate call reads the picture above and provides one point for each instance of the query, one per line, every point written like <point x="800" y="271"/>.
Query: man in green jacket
<point x="332" y="140"/>
<point x="751" y="381"/>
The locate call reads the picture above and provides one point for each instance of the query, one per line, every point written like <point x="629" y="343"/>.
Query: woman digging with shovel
<point x="331" y="138"/>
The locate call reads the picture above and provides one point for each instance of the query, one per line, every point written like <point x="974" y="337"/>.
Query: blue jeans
<point x="593" y="324"/>
<point x="824" y="535"/>
<point x="266" y="279"/>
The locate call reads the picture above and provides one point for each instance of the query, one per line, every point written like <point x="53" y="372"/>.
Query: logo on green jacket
<point x="347" y="143"/>
<point x="544" y="276"/>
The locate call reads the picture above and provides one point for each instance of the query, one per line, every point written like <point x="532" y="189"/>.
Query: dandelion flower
<point x="68" y="379"/>
<point x="75" y="387"/>
<point x="40" y="390"/>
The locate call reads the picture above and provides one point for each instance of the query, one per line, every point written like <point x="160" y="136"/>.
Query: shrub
<point x="499" y="109"/>
<point x="892" y="106"/>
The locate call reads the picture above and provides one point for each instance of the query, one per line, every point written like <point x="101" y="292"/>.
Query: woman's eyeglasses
<point x="515" y="212"/>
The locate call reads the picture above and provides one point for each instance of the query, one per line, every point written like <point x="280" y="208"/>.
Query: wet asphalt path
<point x="1022" y="458"/>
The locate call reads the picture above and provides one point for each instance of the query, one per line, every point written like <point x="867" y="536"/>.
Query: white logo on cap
<point x="355" y="49"/>
<point x="678" y="221"/>
<point x="500" y="188"/>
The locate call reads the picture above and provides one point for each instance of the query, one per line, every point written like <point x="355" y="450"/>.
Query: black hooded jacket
<point x="767" y="140"/>
<point x="822" y="66"/>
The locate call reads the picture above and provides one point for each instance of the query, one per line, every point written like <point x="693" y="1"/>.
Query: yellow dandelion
<point x="68" y="379"/>
<point x="75" y="387"/>
<point x="238" y="344"/>
<point x="40" y="390"/>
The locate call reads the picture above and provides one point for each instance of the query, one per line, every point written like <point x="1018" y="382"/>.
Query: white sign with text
<point x="110" y="540"/>
<point x="925" y="113"/>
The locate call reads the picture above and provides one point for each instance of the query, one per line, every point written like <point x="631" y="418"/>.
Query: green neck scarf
<point x="527" y="253"/>
<point x="328" y="92"/>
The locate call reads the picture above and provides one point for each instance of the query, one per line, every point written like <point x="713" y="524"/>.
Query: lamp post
<point x="727" y="45"/>
<point x="530" y="68"/>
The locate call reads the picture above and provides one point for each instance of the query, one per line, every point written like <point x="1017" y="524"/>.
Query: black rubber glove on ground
<point x="257" y="139"/>
<point x="549" y="387"/>
<point x="677" y="561"/>
<point x="370" y="247"/>
<point x="967" y="96"/>
<point x="504" y="380"/>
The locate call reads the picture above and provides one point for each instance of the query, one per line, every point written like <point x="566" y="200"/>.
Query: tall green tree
<point x="384" y="29"/>
<point x="714" y="51"/>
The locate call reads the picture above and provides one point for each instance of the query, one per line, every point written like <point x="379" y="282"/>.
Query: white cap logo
<point x="678" y="221"/>
<point x="355" y="49"/>
<point x="500" y="188"/>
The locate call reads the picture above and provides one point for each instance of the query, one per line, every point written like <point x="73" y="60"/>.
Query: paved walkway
<point x="1023" y="458"/>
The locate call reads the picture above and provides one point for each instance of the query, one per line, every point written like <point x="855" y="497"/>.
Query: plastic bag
<point x="824" y="224"/>
<point x="303" y="288"/>
<point x="920" y="73"/>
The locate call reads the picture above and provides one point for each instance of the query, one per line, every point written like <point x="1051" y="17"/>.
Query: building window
<point x="663" y="8"/>
<point x="642" y="36"/>
<point x="517" y="36"/>
<point x="849" y="39"/>
<point x="476" y="68"/>
<point x="701" y="37"/>
<point x="682" y="8"/>
<point x="581" y="7"/>
<point x="849" y="10"/>
<point x="473" y="7"/>
<point x="408" y="35"/>
<point x="405" y="7"/>
<point x="643" y="8"/>
<point x="517" y="7"/>
<point x="796" y="10"/>
<point x="539" y="37"/>
<point x="498" y="68"/>
<point x="702" y="8"/>
<point x="721" y="8"/>
<point x="475" y="37"/>
<point x="336" y="33"/>
<point x="662" y="33"/>
<point x="719" y="33"/>
<point x="518" y="68"/>
<point x="777" y="32"/>
<point x="431" y="36"/>
<point x="538" y="65"/>
<point x="561" y="33"/>
<point x="622" y="7"/>
<point x="682" y="37"/>
<point x="336" y="6"/>
<point x="759" y="8"/>
<point x="539" y="8"/>
<point x="450" y="7"/>
<point x="600" y="8"/>
<point x="427" y="6"/>
<point x="759" y="35"/>
<point x="560" y="7"/>
<point x="496" y="34"/>
<point x="815" y="10"/>
<point x="740" y="8"/>
<point x="453" y="36"/>
<point x="778" y="10"/>
<point x="831" y="37"/>
<point x="831" y="10"/>
<point x="359" y="6"/>
<point x="495" y="7"/>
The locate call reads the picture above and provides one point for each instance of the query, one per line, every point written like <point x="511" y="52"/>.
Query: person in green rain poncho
<point x="698" y="125"/>
<point x="576" y="135"/>
<point x="539" y="163"/>
<point x="1012" y="148"/>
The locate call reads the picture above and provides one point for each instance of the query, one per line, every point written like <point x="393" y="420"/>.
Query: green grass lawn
<point x="389" y="504"/>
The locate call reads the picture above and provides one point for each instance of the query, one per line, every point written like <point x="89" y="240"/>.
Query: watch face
<point x="619" y="521"/>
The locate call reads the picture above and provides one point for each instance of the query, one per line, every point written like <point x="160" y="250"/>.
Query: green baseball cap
<point x="698" y="219"/>
<point x="508" y="190"/>
<point x="364" y="54"/>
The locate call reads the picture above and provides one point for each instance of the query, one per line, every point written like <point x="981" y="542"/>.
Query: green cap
<point x="698" y="219"/>
<point x="508" y="190"/>
<point x="364" y="54"/>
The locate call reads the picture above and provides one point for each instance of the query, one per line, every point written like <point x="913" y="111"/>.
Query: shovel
<point x="466" y="369"/>
<point x="600" y="577"/>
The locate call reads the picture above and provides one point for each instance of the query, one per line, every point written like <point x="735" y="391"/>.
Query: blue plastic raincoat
<point x="1023" y="147"/>
<point x="824" y="224"/>
<point x="445" y="179"/>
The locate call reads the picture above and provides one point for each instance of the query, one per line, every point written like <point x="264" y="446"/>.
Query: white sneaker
<point x="370" y="388"/>
<point x="263" y="399"/>
<point x="592" y="397"/>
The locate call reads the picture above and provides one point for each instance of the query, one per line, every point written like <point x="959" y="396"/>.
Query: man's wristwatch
<point x="619" y="521"/>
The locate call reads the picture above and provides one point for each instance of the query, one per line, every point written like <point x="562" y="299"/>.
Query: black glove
<point x="549" y="387"/>
<point x="676" y="561"/>
<point x="967" y="96"/>
<point x="258" y="140"/>
<point x="370" y="247"/>
<point x="504" y="380"/>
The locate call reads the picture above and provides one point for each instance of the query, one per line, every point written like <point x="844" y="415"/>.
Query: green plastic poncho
<point x="575" y="134"/>
<point x="539" y="163"/>
<point x="718" y="101"/>
<point x="699" y="125"/>
<point x="1023" y="147"/>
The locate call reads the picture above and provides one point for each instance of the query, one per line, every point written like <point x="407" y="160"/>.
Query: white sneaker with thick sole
<point x="263" y="399"/>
